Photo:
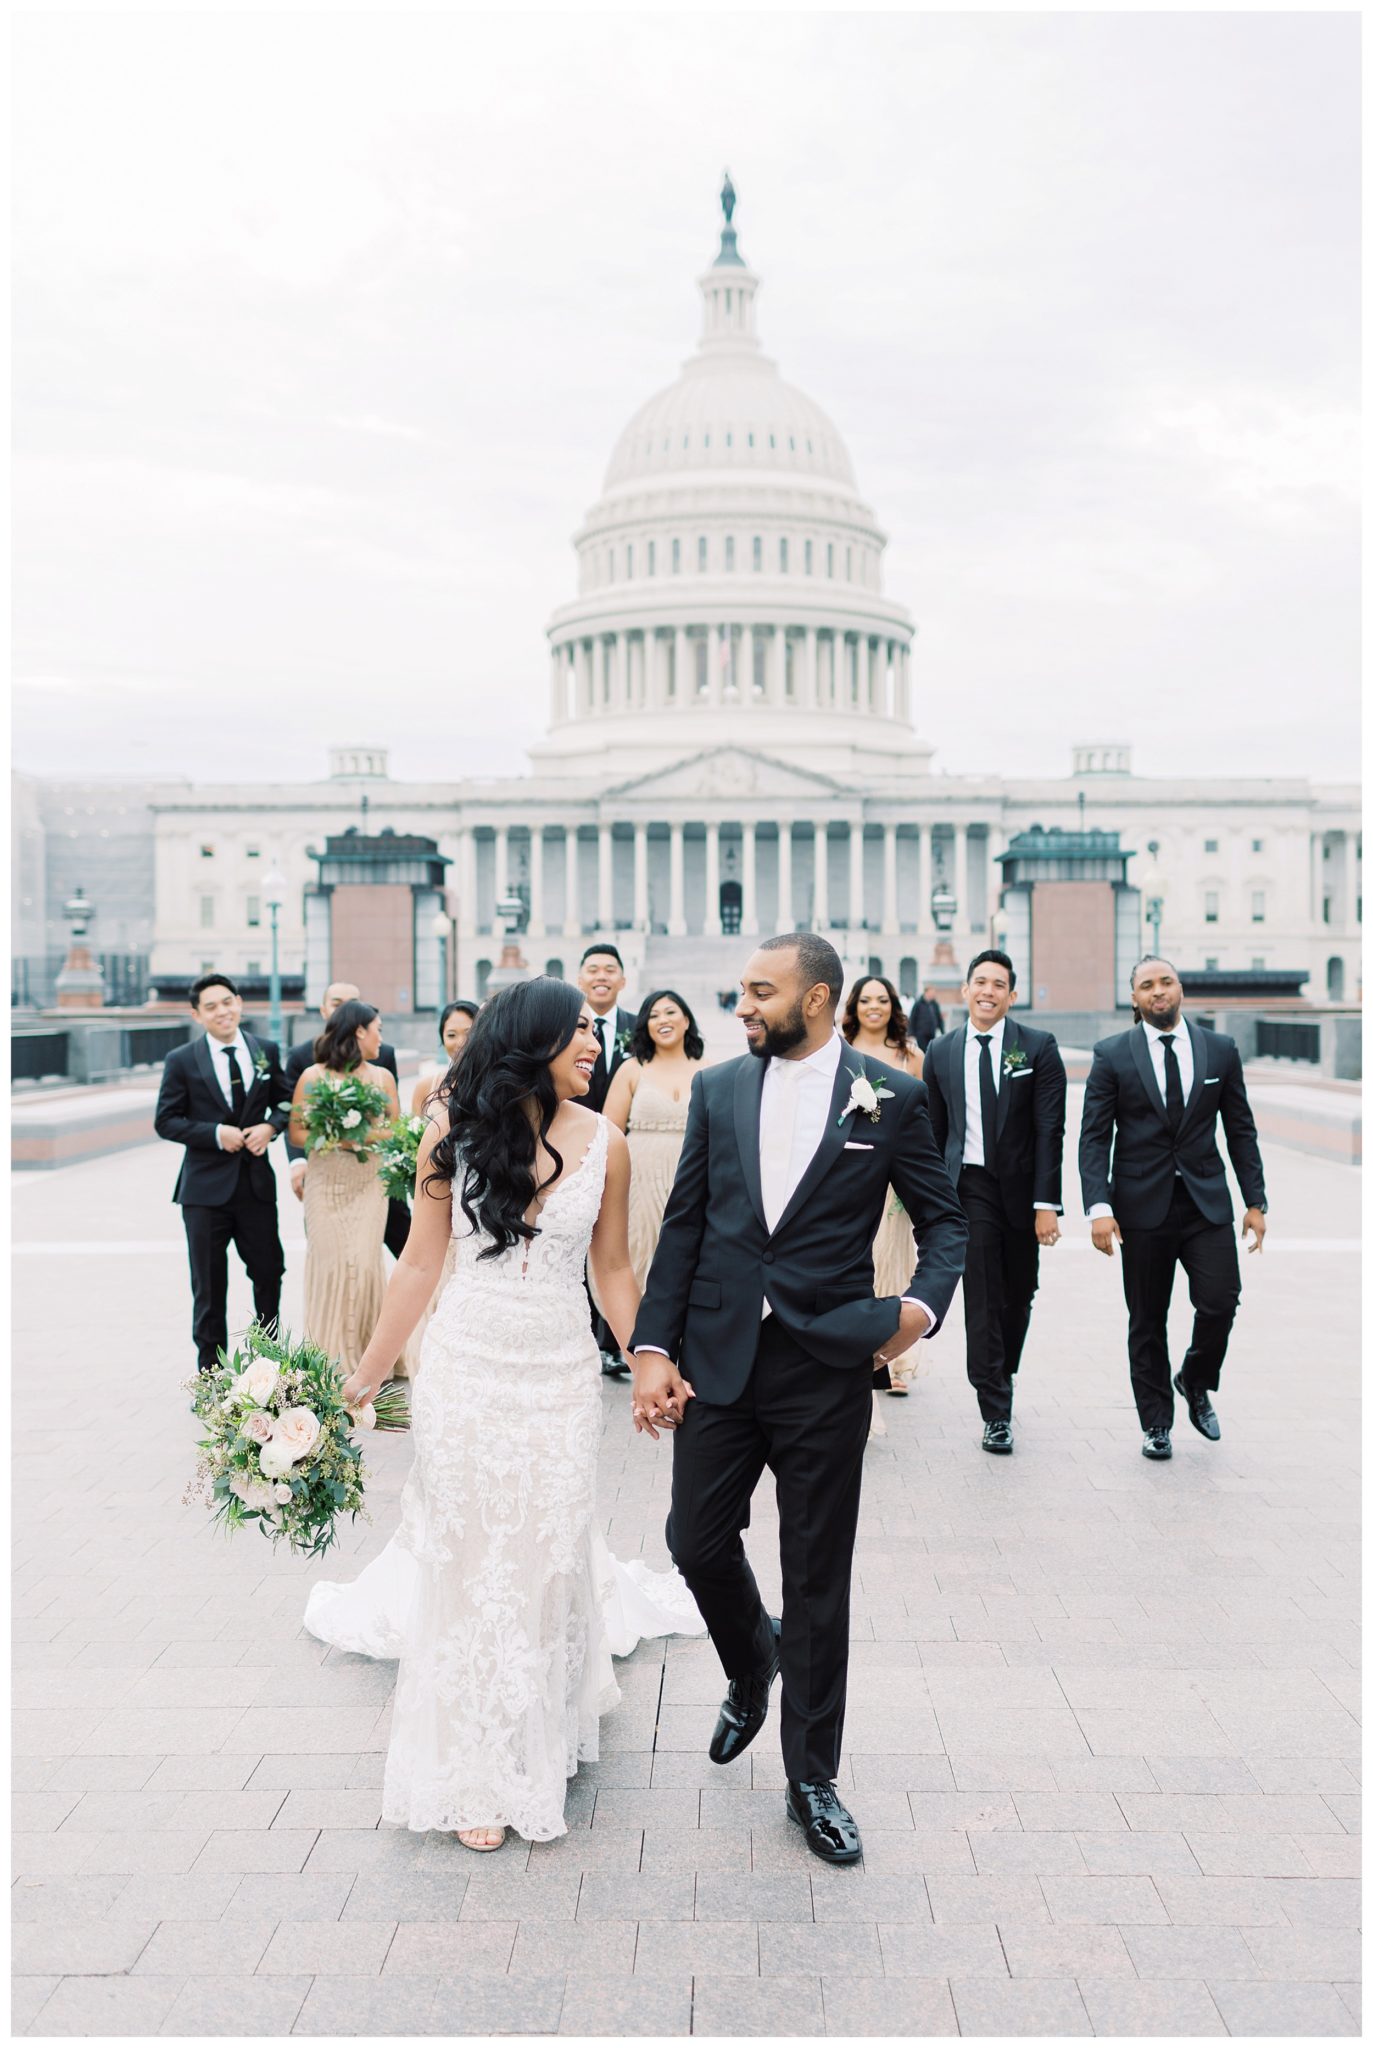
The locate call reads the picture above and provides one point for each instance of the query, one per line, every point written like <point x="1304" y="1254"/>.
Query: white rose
<point x="257" y="1426"/>
<point x="281" y="1494"/>
<point x="864" y="1094"/>
<point x="257" y="1382"/>
<point x="352" y="1118"/>
<point x="254" y="1493"/>
<point x="417" y="1124"/>
<point x="295" y="1436"/>
<point x="364" y="1418"/>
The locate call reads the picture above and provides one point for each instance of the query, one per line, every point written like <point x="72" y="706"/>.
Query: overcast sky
<point x="326" y="326"/>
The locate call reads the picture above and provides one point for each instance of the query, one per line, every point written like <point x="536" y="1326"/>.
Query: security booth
<point x="373" y="918"/>
<point x="1070" y="912"/>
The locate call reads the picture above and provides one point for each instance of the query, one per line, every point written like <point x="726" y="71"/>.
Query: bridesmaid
<point x="875" y="1023"/>
<point x="345" y="1204"/>
<point x="455" y="1023"/>
<point x="648" y="1102"/>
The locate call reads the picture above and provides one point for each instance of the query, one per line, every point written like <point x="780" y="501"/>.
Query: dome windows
<point x="810" y="557"/>
<point x="729" y="437"/>
<point x="829" y="558"/>
<point x="848" y="565"/>
<point x="757" y="551"/>
<point x="750" y="440"/>
<point x="772" y="440"/>
<point x="702" y="554"/>
<point x="729" y="551"/>
<point x="610" y="565"/>
<point x="705" y="438"/>
<point x="629" y="562"/>
<point x="653" y="558"/>
<point x="676" y="558"/>
<point x="783" y="563"/>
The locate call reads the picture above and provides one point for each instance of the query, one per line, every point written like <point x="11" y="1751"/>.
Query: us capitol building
<point x="730" y="750"/>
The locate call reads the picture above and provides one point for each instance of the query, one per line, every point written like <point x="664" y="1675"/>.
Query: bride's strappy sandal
<point x="474" y="1839"/>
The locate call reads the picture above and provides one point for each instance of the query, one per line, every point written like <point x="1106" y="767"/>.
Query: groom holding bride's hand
<point x="756" y="1340"/>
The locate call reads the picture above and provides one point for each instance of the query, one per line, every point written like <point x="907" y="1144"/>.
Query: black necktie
<point x="600" y="1039"/>
<point x="986" y="1089"/>
<point x="237" y="1097"/>
<point x="1172" y="1082"/>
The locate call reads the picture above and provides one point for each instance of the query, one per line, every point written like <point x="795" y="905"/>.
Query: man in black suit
<point x="997" y="1104"/>
<point x="1157" y="1090"/>
<point x="302" y="1056"/>
<point x="757" y="1337"/>
<point x="601" y="979"/>
<point x="927" y="1019"/>
<point x="221" y="1097"/>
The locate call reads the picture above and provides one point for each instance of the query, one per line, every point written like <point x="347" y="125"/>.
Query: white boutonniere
<point x="262" y="1066"/>
<point x="624" y="1043"/>
<point x="866" y="1096"/>
<point x="1014" y="1059"/>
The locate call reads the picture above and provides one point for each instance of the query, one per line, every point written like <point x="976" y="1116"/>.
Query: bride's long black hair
<point x="491" y="1145"/>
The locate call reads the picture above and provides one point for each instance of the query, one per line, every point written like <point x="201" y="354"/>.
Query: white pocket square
<point x="851" y="1145"/>
<point x="1211" y="1081"/>
<point x="1021" y="1073"/>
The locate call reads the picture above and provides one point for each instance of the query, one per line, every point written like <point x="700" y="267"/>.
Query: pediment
<point x="729" y="772"/>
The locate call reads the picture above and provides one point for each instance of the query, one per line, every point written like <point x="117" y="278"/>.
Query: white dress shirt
<point x="610" y="1026"/>
<point x="974" y="1153"/>
<point x="242" y="1061"/>
<point x="1182" y="1052"/>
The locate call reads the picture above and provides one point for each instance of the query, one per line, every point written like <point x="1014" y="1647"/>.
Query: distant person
<point x="648" y="1102"/>
<point x="875" y="1023"/>
<point x="927" y="1019"/>
<point x="601" y="979"/>
<point x="297" y="1060"/>
<point x="455" y="1024"/>
<point x="345" y="1205"/>
<point x="221" y="1099"/>
<point x="997" y="1094"/>
<point x="1155" y="1093"/>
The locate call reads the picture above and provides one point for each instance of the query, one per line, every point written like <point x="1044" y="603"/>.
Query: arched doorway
<point x="909" y="979"/>
<point x="1334" y="979"/>
<point x="731" y="907"/>
<point x="555" y="968"/>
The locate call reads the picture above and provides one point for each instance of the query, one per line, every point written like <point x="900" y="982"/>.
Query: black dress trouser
<point x="1000" y="1275"/>
<point x="249" y="1222"/>
<point x="808" y="1423"/>
<point x="1208" y="1256"/>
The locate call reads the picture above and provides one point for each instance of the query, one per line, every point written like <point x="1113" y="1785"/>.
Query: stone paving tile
<point x="66" y="1898"/>
<point x="1065" y="1951"/>
<point x="741" y="2007"/>
<point x="1027" y="2006"/>
<point x="1282" y="2009"/>
<point x="356" y="2006"/>
<point x="1126" y="1854"/>
<point x="436" y="1948"/>
<point x="292" y="1895"/>
<point x="193" y="1773"/>
<point x="191" y="1895"/>
<point x="599" y="1948"/>
<point x="514" y="1895"/>
<point x="494" y="2005"/>
<point x="1102" y="1901"/>
<point x="1305" y="1954"/>
<point x="256" y="1849"/>
<point x="107" y="2006"/>
<point x="1223" y="1901"/>
<point x="675" y="1852"/>
<point x="1331" y="1855"/>
<point x="1253" y="1855"/>
<point x="365" y="1849"/>
<point x="28" y="1996"/>
<point x="78" y="1948"/>
<point x="1188" y="1952"/>
<point x="905" y="2008"/>
<point x="627" y="2007"/>
<point x="719" y="1948"/>
<point x="1126" y="2007"/>
<point x="982" y="1901"/>
<point x="722" y="1896"/>
<point x="1041" y="1854"/>
<point x="206" y="1948"/>
<point x="236" y="2006"/>
<point x="941" y="1951"/>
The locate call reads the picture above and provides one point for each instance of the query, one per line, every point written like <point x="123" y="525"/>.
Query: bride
<point x="497" y="1593"/>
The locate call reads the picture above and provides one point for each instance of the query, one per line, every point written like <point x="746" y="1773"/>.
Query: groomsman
<point x="997" y="1093"/>
<point x="221" y="1098"/>
<point x="601" y="979"/>
<point x="302" y="1056"/>
<point x="1157" y="1091"/>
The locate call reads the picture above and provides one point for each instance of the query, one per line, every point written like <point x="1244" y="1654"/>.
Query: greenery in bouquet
<point x="343" y="1110"/>
<point x="397" y="1157"/>
<point x="279" y="1446"/>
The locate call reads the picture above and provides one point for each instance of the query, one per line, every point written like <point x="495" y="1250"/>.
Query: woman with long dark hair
<point x="345" y="1204"/>
<point x="497" y="1594"/>
<point x="648" y="1102"/>
<point x="874" y="1022"/>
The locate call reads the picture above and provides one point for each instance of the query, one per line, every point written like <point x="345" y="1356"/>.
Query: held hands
<point x="660" y="1394"/>
<point x="257" y="1138"/>
<point x="912" y="1327"/>
<point x="1105" y="1234"/>
<point x="1255" y="1220"/>
<point x="1046" y="1226"/>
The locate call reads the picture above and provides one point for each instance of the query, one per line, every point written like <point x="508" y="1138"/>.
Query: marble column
<point x="820" y="905"/>
<point x="641" y="877"/>
<point x="502" y="861"/>
<point x="652" y="682"/>
<point x="856" y="903"/>
<point x="556" y="711"/>
<point x="1317" y="876"/>
<point x="572" y="909"/>
<point x="810" y="669"/>
<point x="536" y="919"/>
<point x="680" y="691"/>
<point x="605" y="880"/>
<point x="777" y="666"/>
<point x="891" y="915"/>
<point x="467" y="881"/>
<point x="711" y="926"/>
<point x="1350" y="920"/>
<point x="676" y="916"/>
<point x="581" y="662"/>
<point x="960" y="876"/>
<point x="747" y="658"/>
<point x="920" y="844"/>
<point x="748" y="923"/>
<point x="786" y="909"/>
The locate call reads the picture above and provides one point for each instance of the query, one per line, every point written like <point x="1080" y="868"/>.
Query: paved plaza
<point x="1102" y="1736"/>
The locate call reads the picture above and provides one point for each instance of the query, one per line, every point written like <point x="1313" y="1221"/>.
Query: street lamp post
<point x="1152" y="888"/>
<point x="274" y="886"/>
<point x="441" y="928"/>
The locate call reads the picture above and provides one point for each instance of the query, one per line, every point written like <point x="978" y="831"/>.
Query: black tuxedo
<point x="225" y="1197"/>
<point x="1167" y="1191"/>
<point x="927" y="1021"/>
<point x="999" y="1201"/>
<point x="614" y="1052"/>
<point x="791" y="1392"/>
<point x="297" y="1060"/>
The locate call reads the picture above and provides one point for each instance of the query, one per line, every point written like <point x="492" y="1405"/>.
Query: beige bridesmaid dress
<point x="657" y="1126"/>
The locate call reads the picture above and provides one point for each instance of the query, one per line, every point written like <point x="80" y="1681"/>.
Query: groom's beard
<point x="779" y="1039"/>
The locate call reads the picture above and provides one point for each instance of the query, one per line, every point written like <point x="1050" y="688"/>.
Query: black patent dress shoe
<point x="1157" y="1444"/>
<point x="613" y="1367"/>
<point x="996" y="1436"/>
<point x="831" y="1830"/>
<point x="744" y="1707"/>
<point x="1199" y="1410"/>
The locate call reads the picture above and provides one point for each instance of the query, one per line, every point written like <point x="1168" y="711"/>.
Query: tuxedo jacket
<point x="927" y="1021"/>
<point x="612" y="1058"/>
<point x="1124" y="1102"/>
<point x="717" y="1258"/>
<point x="190" y="1106"/>
<point x="303" y="1055"/>
<point x="1031" y="1101"/>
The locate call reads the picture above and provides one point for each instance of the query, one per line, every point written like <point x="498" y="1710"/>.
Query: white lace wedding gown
<point x="497" y="1592"/>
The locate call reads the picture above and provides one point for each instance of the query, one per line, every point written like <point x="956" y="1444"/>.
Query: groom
<point x="756" y="1338"/>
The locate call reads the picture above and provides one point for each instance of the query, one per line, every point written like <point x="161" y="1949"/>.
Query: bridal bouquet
<point x="398" y="1158"/>
<point x="278" y="1447"/>
<point x="340" y="1109"/>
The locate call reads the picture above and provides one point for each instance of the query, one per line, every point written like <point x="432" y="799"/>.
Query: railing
<point x="147" y="1044"/>
<point x="37" y="1055"/>
<point x="1277" y="1040"/>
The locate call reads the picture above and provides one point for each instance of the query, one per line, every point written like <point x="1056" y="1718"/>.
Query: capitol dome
<point x="730" y="574"/>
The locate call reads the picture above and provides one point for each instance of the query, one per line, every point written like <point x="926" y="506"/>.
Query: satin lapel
<point x="957" y="1042"/>
<point x="205" y="1060"/>
<point x="748" y="1103"/>
<point x="851" y="1068"/>
<point x="258" y="1080"/>
<point x="1010" y="1037"/>
<point x="1198" y="1039"/>
<point x="1140" y="1053"/>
